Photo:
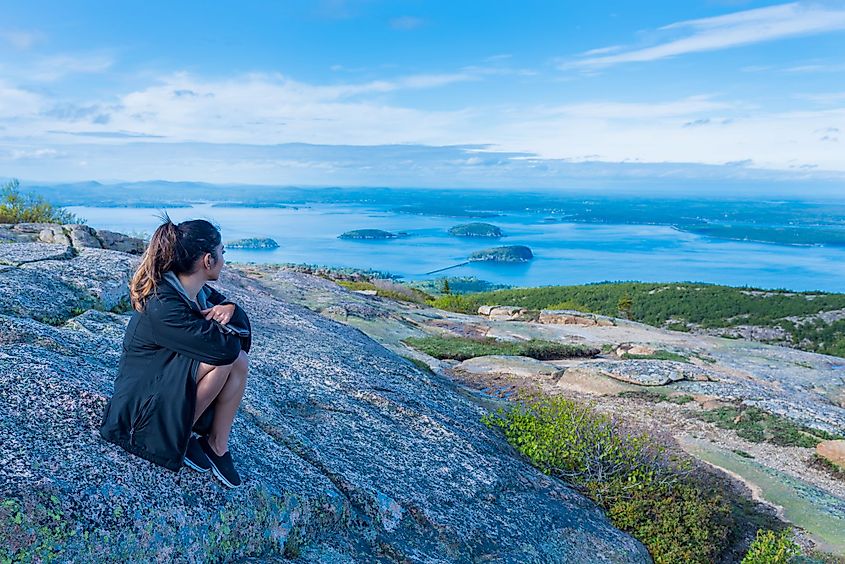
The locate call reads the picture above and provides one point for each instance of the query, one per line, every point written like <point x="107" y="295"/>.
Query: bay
<point x="565" y="252"/>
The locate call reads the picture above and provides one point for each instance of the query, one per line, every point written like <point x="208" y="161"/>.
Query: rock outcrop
<point x="73" y="235"/>
<point x="649" y="372"/>
<point x="348" y="452"/>
<point x="574" y="317"/>
<point x="501" y="312"/>
<point x="833" y="452"/>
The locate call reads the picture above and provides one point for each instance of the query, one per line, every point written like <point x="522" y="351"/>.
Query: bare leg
<point x="210" y="380"/>
<point x="227" y="405"/>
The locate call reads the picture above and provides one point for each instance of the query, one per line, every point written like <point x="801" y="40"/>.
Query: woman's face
<point x="213" y="271"/>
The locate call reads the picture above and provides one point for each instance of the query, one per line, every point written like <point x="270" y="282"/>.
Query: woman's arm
<point x="239" y="317"/>
<point x="177" y="327"/>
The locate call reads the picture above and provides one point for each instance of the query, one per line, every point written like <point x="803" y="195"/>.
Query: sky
<point x="422" y="93"/>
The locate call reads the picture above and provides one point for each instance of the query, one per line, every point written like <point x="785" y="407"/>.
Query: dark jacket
<point x="155" y="391"/>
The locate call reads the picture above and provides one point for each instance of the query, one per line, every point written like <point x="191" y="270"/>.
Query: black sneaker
<point x="222" y="466"/>
<point x="195" y="457"/>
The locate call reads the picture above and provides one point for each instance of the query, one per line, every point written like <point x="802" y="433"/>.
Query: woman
<point x="184" y="364"/>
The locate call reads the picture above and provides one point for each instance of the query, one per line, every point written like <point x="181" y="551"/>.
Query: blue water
<point x="565" y="253"/>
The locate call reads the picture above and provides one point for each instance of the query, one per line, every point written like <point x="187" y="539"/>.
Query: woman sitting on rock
<point x="184" y="364"/>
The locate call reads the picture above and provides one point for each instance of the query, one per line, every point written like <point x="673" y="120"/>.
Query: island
<point x="253" y="244"/>
<point x="368" y="234"/>
<point x="510" y="253"/>
<point x="476" y="229"/>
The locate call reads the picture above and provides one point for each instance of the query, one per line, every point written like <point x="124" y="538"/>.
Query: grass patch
<point x="644" y="491"/>
<point x="655" y="397"/>
<point x="756" y="425"/>
<point x="389" y="289"/>
<point x="461" y="348"/>
<point x="657" y="355"/>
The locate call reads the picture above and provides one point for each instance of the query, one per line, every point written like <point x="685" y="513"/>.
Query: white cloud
<point x="18" y="103"/>
<point x="58" y="66"/>
<point x="22" y="40"/>
<point x="722" y="32"/>
<point x="266" y="109"/>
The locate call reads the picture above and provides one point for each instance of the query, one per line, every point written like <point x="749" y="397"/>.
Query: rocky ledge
<point x="348" y="452"/>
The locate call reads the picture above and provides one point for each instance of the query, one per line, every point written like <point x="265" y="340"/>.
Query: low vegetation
<point x="682" y="306"/>
<point x="461" y="348"/>
<point x="644" y="491"/>
<point x="20" y="207"/>
<point x="771" y="547"/>
<point x="657" y="355"/>
<point x="756" y="425"/>
<point x="825" y="465"/>
<point x="389" y="289"/>
<point x="656" y="397"/>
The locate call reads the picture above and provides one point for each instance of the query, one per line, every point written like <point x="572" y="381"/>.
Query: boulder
<point x="83" y="236"/>
<point x="634" y="350"/>
<point x="120" y="242"/>
<point x="832" y="451"/>
<point x="501" y="312"/>
<point x="348" y="453"/>
<point x="520" y="366"/>
<point x="54" y="234"/>
<point x="574" y="317"/>
<point x="649" y="372"/>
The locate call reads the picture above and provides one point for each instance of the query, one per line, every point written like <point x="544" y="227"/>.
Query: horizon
<point x="541" y="95"/>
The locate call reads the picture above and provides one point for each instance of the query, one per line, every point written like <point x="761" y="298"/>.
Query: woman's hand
<point x="220" y="313"/>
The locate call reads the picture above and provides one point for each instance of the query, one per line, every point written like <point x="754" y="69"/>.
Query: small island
<point x="252" y="244"/>
<point x="368" y="234"/>
<point x="511" y="253"/>
<point x="476" y="229"/>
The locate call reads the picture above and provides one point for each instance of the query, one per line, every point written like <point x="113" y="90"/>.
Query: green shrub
<point x="771" y="548"/>
<point x="16" y="207"/>
<point x="644" y="491"/>
<point x="460" y="348"/>
<point x="680" y="522"/>
<point x="756" y="425"/>
<point x="455" y="302"/>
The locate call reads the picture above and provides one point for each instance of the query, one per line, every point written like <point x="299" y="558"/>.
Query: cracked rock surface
<point x="348" y="452"/>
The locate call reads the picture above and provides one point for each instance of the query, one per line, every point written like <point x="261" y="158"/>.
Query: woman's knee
<point x="241" y="364"/>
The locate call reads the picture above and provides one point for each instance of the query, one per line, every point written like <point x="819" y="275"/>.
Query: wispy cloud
<point x="18" y="103"/>
<point x="21" y="40"/>
<point x="723" y="32"/>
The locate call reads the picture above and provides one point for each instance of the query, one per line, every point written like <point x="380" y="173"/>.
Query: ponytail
<point x="172" y="247"/>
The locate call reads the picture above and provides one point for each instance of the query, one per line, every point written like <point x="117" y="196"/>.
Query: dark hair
<point x="172" y="247"/>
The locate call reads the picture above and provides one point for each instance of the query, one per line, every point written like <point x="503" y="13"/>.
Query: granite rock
<point x="348" y="452"/>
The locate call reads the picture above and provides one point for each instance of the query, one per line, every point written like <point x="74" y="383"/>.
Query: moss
<point x="418" y="363"/>
<point x="122" y="306"/>
<point x="33" y="530"/>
